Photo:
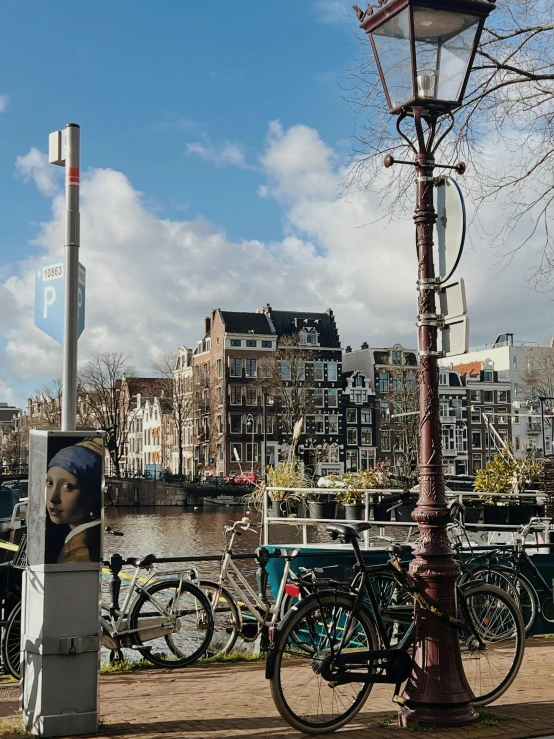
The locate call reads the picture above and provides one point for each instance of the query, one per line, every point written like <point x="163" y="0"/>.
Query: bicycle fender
<point x="469" y="584"/>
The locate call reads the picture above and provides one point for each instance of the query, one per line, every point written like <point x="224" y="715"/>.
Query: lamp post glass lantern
<point x="424" y="50"/>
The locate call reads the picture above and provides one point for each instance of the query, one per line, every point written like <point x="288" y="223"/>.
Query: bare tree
<point x="509" y="106"/>
<point x="101" y="380"/>
<point x="49" y="398"/>
<point x="288" y="376"/>
<point x="13" y="445"/>
<point x="404" y="406"/>
<point x="538" y="380"/>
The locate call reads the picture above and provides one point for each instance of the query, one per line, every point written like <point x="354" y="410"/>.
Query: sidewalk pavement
<point x="233" y="701"/>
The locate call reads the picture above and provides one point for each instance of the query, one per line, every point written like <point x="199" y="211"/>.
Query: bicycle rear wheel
<point x="11" y="643"/>
<point x="227" y="620"/>
<point x="321" y="625"/>
<point x="175" y="623"/>
<point x="492" y="641"/>
<point x="516" y="586"/>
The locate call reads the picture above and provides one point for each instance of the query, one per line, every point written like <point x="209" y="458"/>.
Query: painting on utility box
<point x="74" y="479"/>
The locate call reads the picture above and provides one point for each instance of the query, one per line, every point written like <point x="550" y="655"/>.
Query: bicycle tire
<point x="302" y="619"/>
<point x="11" y="643"/>
<point x="517" y="586"/>
<point x="226" y="615"/>
<point x="189" y="639"/>
<point x="509" y="635"/>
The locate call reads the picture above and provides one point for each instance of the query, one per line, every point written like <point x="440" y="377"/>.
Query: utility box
<point x="61" y="593"/>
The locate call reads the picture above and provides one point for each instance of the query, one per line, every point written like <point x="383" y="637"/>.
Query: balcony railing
<point x="533" y="427"/>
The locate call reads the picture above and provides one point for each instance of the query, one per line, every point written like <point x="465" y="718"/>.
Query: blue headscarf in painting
<point x="84" y="461"/>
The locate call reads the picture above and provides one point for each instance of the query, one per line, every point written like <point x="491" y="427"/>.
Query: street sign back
<point x="50" y="298"/>
<point x="452" y="299"/>
<point x="450" y="228"/>
<point x="453" y="336"/>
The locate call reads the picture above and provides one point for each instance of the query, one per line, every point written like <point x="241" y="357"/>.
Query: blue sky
<point x="215" y="141"/>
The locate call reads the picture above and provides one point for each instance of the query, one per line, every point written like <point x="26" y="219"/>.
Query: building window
<point x="457" y="408"/>
<point x="501" y="396"/>
<point x="236" y="423"/>
<point x="352" y="436"/>
<point x="220" y="395"/>
<point x="333" y="398"/>
<point x="220" y="452"/>
<point x="235" y="367"/>
<point x="318" y="370"/>
<point x="475" y="396"/>
<point x="410" y="382"/>
<point x="367" y="459"/>
<point x="385" y="441"/>
<point x="517" y="443"/>
<point x="236" y="452"/>
<point x="503" y="433"/>
<point x="318" y="397"/>
<point x="235" y="394"/>
<point x="514" y="362"/>
<point x="220" y="424"/>
<point x="488" y="376"/>
<point x="383" y="382"/>
<point x="333" y="422"/>
<point x="515" y="390"/>
<point x="285" y="370"/>
<point x="220" y="368"/>
<point x="301" y="370"/>
<point x="476" y="440"/>
<point x="384" y="412"/>
<point x="251" y="343"/>
<point x="251" y="395"/>
<point x="476" y="415"/>
<point x="516" y="417"/>
<point x="313" y="338"/>
<point x="250" y="368"/>
<point x="448" y="441"/>
<point x="366" y="437"/>
<point x="351" y="460"/>
<point x="476" y="462"/>
<point x="461" y="440"/>
<point x="351" y="415"/>
<point x="443" y="378"/>
<point x="359" y="396"/>
<point x="332" y="371"/>
<point x="489" y="396"/>
<point x="266" y="344"/>
<point x="366" y="415"/>
<point x="252" y="451"/>
<point x="502" y="416"/>
<point x="236" y="342"/>
<point x="396" y="357"/>
<point x="319" y="424"/>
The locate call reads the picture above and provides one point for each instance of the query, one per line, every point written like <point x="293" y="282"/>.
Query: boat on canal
<point x="222" y="500"/>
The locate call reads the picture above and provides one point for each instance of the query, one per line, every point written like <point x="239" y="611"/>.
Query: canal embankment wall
<point x="141" y="492"/>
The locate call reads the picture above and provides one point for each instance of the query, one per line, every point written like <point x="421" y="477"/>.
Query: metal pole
<point x="69" y="386"/>
<point x="437" y="691"/>
<point x="488" y="438"/>
<point x="264" y="421"/>
<point x="543" y="434"/>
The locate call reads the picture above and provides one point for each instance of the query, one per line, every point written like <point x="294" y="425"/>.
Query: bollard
<point x="60" y="624"/>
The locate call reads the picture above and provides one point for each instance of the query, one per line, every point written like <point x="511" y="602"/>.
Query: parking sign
<point x="50" y="298"/>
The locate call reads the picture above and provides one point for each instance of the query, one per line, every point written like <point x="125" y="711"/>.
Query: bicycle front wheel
<point x="174" y="623"/>
<point x="321" y="626"/>
<point x="11" y="643"/>
<point x="227" y="620"/>
<point x="516" y="586"/>
<point x="492" y="641"/>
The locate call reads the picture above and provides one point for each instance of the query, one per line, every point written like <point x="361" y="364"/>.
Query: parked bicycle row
<point x="320" y="617"/>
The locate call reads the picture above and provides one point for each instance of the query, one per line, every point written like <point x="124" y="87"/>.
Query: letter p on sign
<point x="49" y="299"/>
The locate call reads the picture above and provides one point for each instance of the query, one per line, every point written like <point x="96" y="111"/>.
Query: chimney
<point x="365" y="345"/>
<point x="348" y="350"/>
<point x="207" y="325"/>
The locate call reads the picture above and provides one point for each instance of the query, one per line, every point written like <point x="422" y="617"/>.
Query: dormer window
<point x="313" y="338"/>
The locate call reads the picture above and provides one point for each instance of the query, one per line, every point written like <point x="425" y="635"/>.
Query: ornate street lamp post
<point x="424" y="50"/>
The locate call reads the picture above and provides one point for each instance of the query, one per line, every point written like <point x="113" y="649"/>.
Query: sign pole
<point x="72" y="237"/>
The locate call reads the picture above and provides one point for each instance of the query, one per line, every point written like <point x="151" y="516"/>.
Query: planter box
<point x="404" y="512"/>
<point x="520" y="514"/>
<point x="495" y="514"/>
<point x="322" y="508"/>
<point x="354" y="511"/>
<point x="473" y="514"/>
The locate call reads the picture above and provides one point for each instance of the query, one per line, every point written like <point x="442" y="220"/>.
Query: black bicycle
<point x="334" y="645"/>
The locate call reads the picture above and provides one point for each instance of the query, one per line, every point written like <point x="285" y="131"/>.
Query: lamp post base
<point x="436" y="715"/>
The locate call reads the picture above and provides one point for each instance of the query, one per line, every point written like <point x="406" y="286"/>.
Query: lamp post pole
<point x="250" y="420"/>
<point x="264" y="421"/>
<point x="424" y="52"/>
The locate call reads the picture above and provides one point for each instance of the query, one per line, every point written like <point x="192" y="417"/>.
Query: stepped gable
<point x="290" y="322"/>
<point x="244" y="323"/>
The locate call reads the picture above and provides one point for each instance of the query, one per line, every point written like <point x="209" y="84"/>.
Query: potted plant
<point x="495" y="479"/>
<point x="352" y="495"/>
<point x="289" y="475"/>
<point x="474" y="509"/>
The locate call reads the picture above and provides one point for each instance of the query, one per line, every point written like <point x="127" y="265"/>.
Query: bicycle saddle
<point x="401" y="548"/>
<point x="144" y="562"/>
<point x="347" y="531"/>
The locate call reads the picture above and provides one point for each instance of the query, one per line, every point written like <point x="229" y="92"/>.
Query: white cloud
<point x="334" y="11"/>
<point x="150" y="281"/>
<point x="225" y="154"/>
<point x="4" y="100"/>
<point x="35" y="166"/>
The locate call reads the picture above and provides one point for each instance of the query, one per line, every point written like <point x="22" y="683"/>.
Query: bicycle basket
<point x="20" y="559"/>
